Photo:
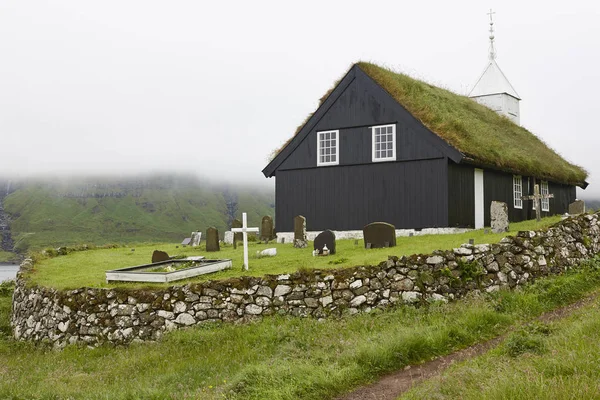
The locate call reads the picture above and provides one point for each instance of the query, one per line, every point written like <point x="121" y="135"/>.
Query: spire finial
<point x="492" y="50"/>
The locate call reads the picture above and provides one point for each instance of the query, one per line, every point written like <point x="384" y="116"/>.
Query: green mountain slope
<point x="47" y="214"/>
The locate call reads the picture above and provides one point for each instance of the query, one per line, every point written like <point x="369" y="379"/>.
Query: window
<point x="327" y="148"/>
<point x="517" y="191"/>
<point x="384" y="143"/>
<point x="544" y="190"/>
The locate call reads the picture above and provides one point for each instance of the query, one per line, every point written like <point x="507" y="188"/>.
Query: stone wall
<point x="94" y="316"/>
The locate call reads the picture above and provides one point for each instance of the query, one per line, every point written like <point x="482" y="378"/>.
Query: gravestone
<point x="212" y="239"/>
<point x="379" y="234"/>
<point x="499" y="217"/>
<point x="237" y="237"/>
<point x="266" y="228"/>
<point x="577" y="207"/>
<point x="186" y="241"/>
<point x="158" y="256"/>
<point x="325" y="238"/>
<point x="196" y="236"/>
<point x="300" y="240"/>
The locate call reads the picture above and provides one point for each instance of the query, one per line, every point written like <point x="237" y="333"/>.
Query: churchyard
<point x="87" y="268"/>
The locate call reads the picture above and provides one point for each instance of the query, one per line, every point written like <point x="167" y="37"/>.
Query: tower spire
<point x="492" y="49"/>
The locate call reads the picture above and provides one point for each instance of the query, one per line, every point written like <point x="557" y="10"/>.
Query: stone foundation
<point x="94" y="316"/>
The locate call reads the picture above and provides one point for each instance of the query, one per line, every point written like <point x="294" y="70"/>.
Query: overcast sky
<point x="213" y="87"/>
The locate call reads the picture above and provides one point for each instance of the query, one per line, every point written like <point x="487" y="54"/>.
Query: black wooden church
<point x="385" y="147"/>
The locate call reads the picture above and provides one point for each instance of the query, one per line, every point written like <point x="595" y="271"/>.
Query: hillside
<point x="100" y="211"/>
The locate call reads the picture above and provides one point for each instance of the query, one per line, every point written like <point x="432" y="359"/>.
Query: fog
<point x="211" y="88"/>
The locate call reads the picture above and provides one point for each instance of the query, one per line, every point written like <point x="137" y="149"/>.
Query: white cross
<point x="244" y="230"/>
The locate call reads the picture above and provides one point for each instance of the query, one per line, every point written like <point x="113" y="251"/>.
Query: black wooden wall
<point x="406" y="194"/>
<point x="461" y="195"/>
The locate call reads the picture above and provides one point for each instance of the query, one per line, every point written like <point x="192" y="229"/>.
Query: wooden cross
<point x="244" y="230"/>
<point x="536" y="197"/>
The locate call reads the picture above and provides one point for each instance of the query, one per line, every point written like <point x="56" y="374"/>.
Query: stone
<point x="195" y="239"/>
<point x="185" y="319"/>
<point x="577" y="207"/>
<point x="267" y="231"/>
<point x="212" y="239"/>
<point x="236" y="223"/>
<point x="358" y="300"/>
<point x="326" y="300"/>
<point x="356" y="284"/>
<point x="271" y="252"/>
<point x="499" y="216"/>
<point x="185" y="242"/>
<point x="411" y="297"/>
<point x="379" y="234"/>
<point x="325" y="238"/>
<point x="253" y="309"/>
<point x="282" y="290"/>
<point x="158" y="256"/>
<point x="300" y="240"/>
<point x="434" y="260"/>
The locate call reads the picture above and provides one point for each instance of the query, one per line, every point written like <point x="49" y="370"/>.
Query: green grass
<point x="148" y="210"/>
<point x="88" y="268"/>
<point x="279" y="357"/>
<point x="6" y="256"/>
<point x="558" y="362"/>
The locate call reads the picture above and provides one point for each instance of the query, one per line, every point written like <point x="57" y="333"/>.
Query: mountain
<point x="125" y="210"/>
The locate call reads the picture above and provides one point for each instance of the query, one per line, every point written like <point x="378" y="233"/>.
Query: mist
<point x="210" y="89"/>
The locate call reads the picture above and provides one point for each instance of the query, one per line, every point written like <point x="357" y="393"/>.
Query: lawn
<point x="280" y="357"/>
<point x="87" y="268"/>
<point x="6" y="256"/>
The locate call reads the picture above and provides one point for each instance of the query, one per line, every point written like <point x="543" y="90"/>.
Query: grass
<point x="87" y="268"/>
<point x="6" y="256"/>
<point x="559" y="361"/>
<point x="279" y="357"/>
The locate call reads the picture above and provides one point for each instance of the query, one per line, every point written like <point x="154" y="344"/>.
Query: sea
<point x="8" y="271"/>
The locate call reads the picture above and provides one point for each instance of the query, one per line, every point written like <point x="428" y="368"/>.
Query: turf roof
<point x="483" y="136"/>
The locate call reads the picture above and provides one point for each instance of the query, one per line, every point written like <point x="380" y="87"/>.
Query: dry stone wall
<point x="94" y="315"/>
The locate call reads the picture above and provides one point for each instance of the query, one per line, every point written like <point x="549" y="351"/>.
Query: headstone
<point x="536" y="197"/>
<point x="300" y="240"/>
<point x="266" y="228"/>
<point x="499" y="217"/>
<point x="272" y="252"/>
<point x="471" y="241"/>
<point x="158" y="256"/>
<point x="577" y="207"/>
<point x="196" y="236"/>
<point x="212" y="239"/>
<point x="244" y="231"/>
<point x="237" y="237"/>
<point x="325" y="238"/>
<point x="379" y="234"/>
<point x="186" y="241"/>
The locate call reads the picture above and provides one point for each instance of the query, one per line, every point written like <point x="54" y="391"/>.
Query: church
<point x="383" y="146"/>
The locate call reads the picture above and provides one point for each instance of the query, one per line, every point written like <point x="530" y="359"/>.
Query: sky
<point x="135" y="86"/>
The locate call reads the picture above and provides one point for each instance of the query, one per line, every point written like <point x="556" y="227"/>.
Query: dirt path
<point x="393" y="385"/>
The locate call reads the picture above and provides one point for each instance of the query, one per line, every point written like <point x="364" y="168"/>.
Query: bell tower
<point x="493" y="89"/>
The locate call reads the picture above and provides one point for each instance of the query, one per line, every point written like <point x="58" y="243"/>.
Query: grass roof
<point x="482" y="135"/>
<point x="475" y="130"/>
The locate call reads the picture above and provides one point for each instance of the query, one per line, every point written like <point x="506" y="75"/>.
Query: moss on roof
<point x="475" y="130"/>
<point x="483" y="136"/>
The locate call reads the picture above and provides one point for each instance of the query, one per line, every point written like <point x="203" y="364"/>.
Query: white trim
<point x="373" y="144"/>
<point x="517" y="191"/>
<point x="479" y="208"/>
<point x="334" y="154"/>
<point x="544" y="189"/>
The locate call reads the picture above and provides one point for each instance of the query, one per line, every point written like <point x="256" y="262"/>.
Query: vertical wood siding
<point x="461" y="199"/>
<point x="406" y="194"/>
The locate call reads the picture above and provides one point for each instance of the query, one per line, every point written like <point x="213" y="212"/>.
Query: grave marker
<point x="499" y="217"/>
<point x="158" y="256"/>
<point x="237" y="237"/>
<point x="195" y="239"/>
<point x="244" y="232"/>
<point x="212" y="239"/>
<point x="325" y="238"/>
<point x="300" y="240"/>
<point x="536" y="197"/>
<point x="266" y="228"/>
<point x="379" y="234"/>
<point x="577" y="207"/>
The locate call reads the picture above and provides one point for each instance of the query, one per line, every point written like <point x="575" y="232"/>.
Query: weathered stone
<point x="179" y="307"/>
<point x="311" y="302"/>
<point x="300" y="240"/>
<point x="239" y="236"/>
<point x="405" y="284"/>
<point x="434" y="260"/>
<point x="356" y="284"/>
<point x="325" y="239"/>
<point x="577" y="207"/>
<point x="267" y="229"/>
<point x="185" y="319"/>
<point x="212" y="239"/>
<point x="379" y="234"/>
<point x="253" y="309"/>
<point x="263" y="301"/>
<point x="499" y="216"/>
<point x="325" y="301"/>
<point x="159" y="256"/>
<point x="282" y="290"/>
<point x="411" y="297"/>
<point x="264" y="291"/>
<point x="165" y="314"/>
<point x="357" y="301"/>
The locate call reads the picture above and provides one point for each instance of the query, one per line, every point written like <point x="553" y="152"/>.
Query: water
<point x="8" y="271"/>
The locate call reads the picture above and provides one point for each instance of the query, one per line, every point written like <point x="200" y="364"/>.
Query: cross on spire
<point x="492" y="49"/>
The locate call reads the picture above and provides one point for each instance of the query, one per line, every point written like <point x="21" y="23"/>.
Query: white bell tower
<point x="493" y="89"/>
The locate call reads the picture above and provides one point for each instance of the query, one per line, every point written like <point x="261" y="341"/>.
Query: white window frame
<point x="335" y="147"/>
<point x="544" y="189"/>
<point x="517" y="191"/>
<point x="373" y="147"/>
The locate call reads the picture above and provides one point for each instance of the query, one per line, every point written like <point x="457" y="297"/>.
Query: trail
<point x="391" y="386"/>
